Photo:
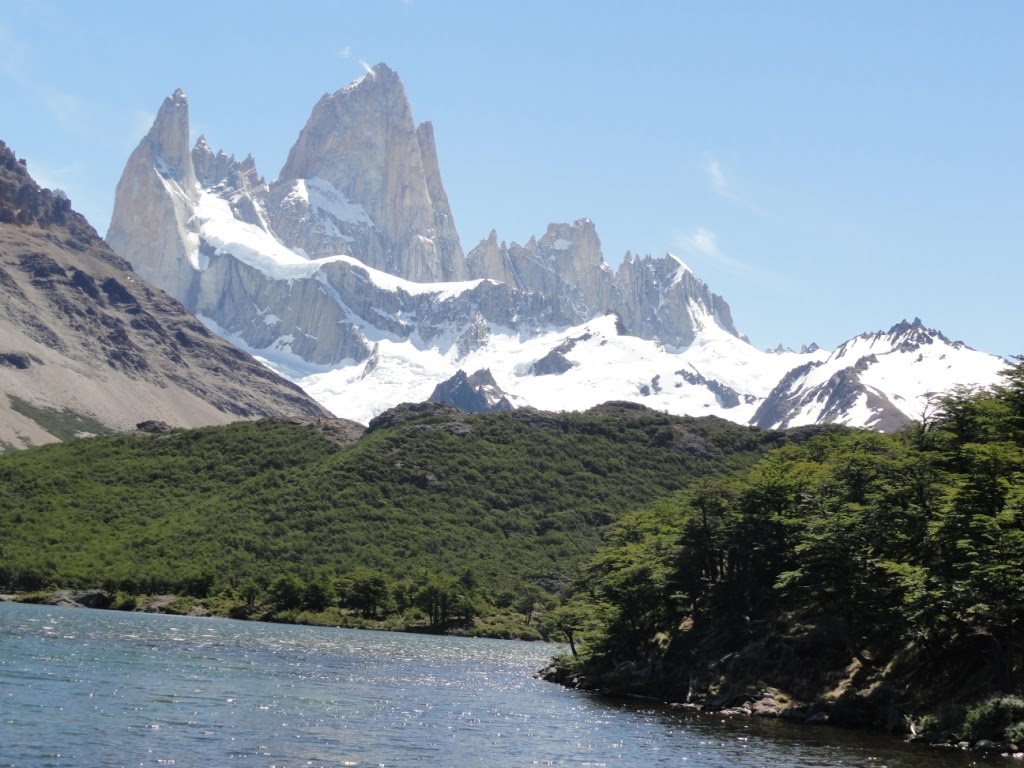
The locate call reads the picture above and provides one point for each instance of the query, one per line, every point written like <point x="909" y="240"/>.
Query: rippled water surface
<point x="92" y="688"/>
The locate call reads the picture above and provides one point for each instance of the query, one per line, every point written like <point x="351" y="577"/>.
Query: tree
<point x="982" y="534"/>
<point x="286" y="592"/>
<point x="365" y="590"/>
<point x="526" y="600"/>
<point x="1011" y="393"/>
<point x="577" y="622"/>
<point x="317" y="595"/>
<point x="704" y="543"/>
<point x="249" y="591"/>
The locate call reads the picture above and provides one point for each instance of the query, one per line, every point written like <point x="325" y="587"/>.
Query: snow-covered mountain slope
<point x="718" y="374"/>
<point x="878" y="380"/>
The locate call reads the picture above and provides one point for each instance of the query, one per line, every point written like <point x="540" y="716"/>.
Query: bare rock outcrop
<point x="86" y="598"/>
<point x="362" y="180"/>
<point x="237" y="182"/>
<point x="663" y="299"/>
<point x="475" y="393"/>
<point x="565" y="265"/>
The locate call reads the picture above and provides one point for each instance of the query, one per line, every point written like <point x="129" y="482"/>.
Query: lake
<point x="92" y="688"/>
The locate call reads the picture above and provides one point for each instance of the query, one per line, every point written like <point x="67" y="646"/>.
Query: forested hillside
<point x="855" y="577"/>
<point x="434" y="517"/>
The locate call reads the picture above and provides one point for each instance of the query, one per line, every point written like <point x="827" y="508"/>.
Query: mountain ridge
<point x="88" y="347"/>
<point x="889" y="376"/>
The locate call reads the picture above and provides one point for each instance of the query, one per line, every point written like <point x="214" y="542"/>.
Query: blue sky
<point x="828" y="168"/>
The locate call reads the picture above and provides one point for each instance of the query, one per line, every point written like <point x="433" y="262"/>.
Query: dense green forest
<point x="870" y="579"/>
<point x="433" y="518"/>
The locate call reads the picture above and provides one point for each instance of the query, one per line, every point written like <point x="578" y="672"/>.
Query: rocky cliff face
<point x="653" y="298"/>
<point x="152" y="225"/>
<point x="88" y="346"/>
<point x="663" y="299"/>
<point x="238" y="183"/>
<point x="565" y="265"/>
<point x="361" y="180"/>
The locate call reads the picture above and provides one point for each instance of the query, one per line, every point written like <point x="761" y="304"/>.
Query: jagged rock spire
<point x="653" y="298"/>
<point x="384" y="201"/>
<point x="152" y="223"/>
<point x="169" y="140"/>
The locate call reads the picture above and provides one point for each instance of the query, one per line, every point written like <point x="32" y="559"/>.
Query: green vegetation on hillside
<point x="878" y="577"/>
<point x="435" y="515"/>
<point x="61" y="423"/>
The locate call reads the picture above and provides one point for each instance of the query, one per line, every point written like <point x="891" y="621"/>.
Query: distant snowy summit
<point x="347" y="275"/>
<point x="877" y="380"/>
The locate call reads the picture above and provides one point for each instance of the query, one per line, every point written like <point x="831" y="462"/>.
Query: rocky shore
<point x="772" y="703"/>
<point x="101" y="599"/>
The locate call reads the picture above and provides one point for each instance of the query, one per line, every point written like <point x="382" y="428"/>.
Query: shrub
<point x="999" y="718"/>
<point x="1015" y="734"/>
<point x="125" y="602"/>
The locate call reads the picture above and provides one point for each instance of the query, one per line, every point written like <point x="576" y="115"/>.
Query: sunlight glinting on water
<point x="97" y="688"/>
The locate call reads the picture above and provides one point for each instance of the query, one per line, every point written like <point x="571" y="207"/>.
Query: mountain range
<point x="346" y="274"/>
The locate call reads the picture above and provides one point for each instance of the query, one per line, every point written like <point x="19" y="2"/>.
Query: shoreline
<point x="767" y="706"/>
<point x="181" y="605"/>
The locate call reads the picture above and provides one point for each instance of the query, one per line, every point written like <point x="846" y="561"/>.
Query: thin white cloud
<point x="702" y="245"/>
<point x="724" y="187"/>
<point x="717" y="177"/>
<point x="367" y="67"/>
<point x="704" y="241"/>
<point x="345" y="53"/>
<point x="64" y="106"/>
